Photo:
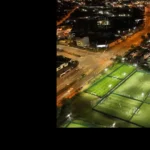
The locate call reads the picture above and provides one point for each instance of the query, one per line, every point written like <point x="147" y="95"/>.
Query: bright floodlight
<point x="114" y="124"/>
<point x="68" y="116"/>
<point x="106" y="69"/>
<point x="110" y="85"/>
<point x="142" y="94"/>
<point x="135" y="65"/>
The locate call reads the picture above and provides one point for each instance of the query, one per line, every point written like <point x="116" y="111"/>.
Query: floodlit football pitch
<point x="119" y="97"/>
<point x="136" y="87"/>
<point x="118" y="106"/>
<point x="130" y="100"/>
<point x="123" y="72"/>
<point x="103" y="86"/>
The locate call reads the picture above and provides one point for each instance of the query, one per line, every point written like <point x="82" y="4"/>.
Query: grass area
<point x="137" y="86"/>
<point x="103" y="87"/>
<point x="74" y="125"/>
<point x="107" y="72"/>
<point x="64" y="125"/>
<point x="80" y="123"/>
<point x="86" y="97"/>
<point x="142" y="117"/>
<point x="83" y="124"/>
<point x="86" y="101"/>
<point x="123" y="72"/>
<point x="77" y="121"/>
<point x="82" y="108"/>
<point x="118" y="106"/>
<point x="148" y="100"/>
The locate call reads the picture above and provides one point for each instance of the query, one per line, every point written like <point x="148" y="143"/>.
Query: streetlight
<point x="69" y="116"/>
<point x="142" y="94"/>
<point x="113" y="125"/>
<point x="135" y="65"/>
<point x="106" y="69"/>
<point x="110" y="85"/>
<point x="123" y="58"/>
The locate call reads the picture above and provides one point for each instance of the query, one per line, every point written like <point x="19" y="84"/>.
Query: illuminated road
<point x="91" y="63"/>
<point x="67" y="16"/>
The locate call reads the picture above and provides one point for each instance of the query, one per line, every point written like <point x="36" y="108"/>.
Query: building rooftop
<point x="61" y="60"/>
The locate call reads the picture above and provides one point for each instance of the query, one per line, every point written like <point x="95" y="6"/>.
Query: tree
<point x="141" y="49"/>
<point x="58" y="111"/>
<point x="148" y="34"/>
<point x="132" y="46"/>
<point x="143" y="37"/>
<point x="148" y="61"/>
<point x="118" y="58"/>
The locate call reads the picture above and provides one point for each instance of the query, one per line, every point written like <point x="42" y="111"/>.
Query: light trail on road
<point x="67" y="16"/>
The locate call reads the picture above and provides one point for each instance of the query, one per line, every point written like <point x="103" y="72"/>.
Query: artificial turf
<point x="118" y="106"/>
<point x="147" y="100"/>
<point x="74" y="125"/>
<point x="107" y="71"/>
<point x="102" y="87"/>
<point x="136" y="87"/>
<point x="142" y="116"/>
<point x="123" y="71"/>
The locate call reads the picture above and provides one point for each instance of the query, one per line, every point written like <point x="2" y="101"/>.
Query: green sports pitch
<point x="136" y="87"/>
<point x="102" y="87"/>
<point x="123" y="71"/>
<point x="118" y="106"/>
<point x="148" y="99"/>
<point x="107" y="71"/>
<point x="74" y="125"/>
<point x="142" y="116"/>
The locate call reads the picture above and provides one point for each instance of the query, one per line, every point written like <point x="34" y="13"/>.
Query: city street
<point x="67" y="16"/>
<point x="92" y="63"/>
